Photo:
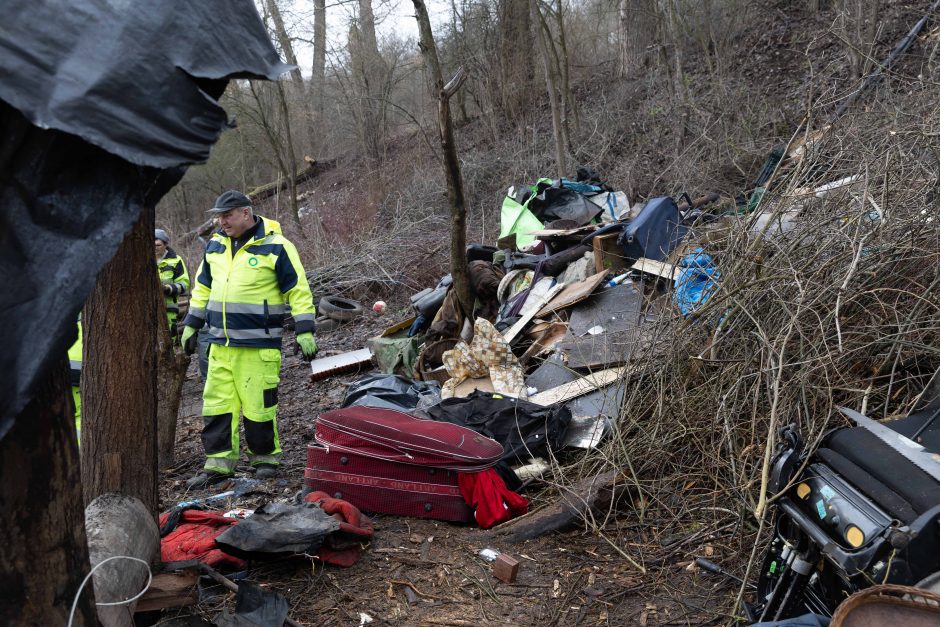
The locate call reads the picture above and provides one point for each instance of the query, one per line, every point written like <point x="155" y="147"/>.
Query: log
<point x="117" y="524"/>
<point x="170" y="590"/>
<point x="593" y="495"/>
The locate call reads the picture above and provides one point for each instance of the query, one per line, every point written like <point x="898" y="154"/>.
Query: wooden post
<point x="43" y="552"/>
<point x="172" y="364"/>
<point x="119" y="401"/>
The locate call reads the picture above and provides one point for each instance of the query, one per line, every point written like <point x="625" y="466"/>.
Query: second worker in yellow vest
<point x="249" y="276"/>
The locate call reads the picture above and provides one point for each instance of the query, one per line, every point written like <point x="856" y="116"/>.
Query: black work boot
<point x="205" y="478"/>
<point x="265" y="471"/>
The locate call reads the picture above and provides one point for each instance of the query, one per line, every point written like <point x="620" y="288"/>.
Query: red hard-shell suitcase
<point x="376" y="485"/>
<point x="399" y="437"/>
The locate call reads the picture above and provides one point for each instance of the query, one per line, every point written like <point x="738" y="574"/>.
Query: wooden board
<point x="573" y="294"/>
<point x="658" y="268"/>
<point x="336" y="364"/>
<point x="576" y="388"/>
<point x="515" y="329"/>
<point x="547" y="233"/>
<point x="399" y="327"/>
<point x="607" y="254"/>
<point x="177" y="589"/>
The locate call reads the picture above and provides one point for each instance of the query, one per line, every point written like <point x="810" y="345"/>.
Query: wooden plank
<point x="515" y="329"/>
<point x="398" y="327"/>
<point x="573" y="294"/>
<point x="578" y="387"/>
<point x="336" y="364"/>
<point x="658" y="268"/>
<point x="547" y="233"/>
<point x="170" y="590"/>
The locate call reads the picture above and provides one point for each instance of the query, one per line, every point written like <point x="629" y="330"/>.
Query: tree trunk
<point x="515" y="56"/>
<point x="43" y="550"/>
<point x="307" y="108"/>
<point x="119" y="373"/>
<point x="551" y="86"/>
<point x="172" y="364"/>
<point x="319" y="56"/>
<point x="455" y="197"/>
<point x="637" y="34"/>
<point x="369" y="73"/>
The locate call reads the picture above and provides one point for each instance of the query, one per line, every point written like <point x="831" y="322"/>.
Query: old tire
<point x="342" y="309"/>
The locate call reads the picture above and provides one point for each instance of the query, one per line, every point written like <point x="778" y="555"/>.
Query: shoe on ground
<point x="265" y="471"/>
<point x="205" y="478"/>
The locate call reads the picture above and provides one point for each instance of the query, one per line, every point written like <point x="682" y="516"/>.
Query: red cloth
<point x="343" y="547"/>
<point x="491" y="500"/>
<point x="194" y="539"/>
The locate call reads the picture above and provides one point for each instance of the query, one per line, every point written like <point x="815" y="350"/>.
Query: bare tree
<point x="370" y="76"/>
<point x="515" y="56"/>
<point x="552" y="84"/>
<point x="119" y="391"/>
<point x="637" y="32"/>
<point x="319" y="56"/>
<point x="297" y="80"/>
<point x="455" y="195"/>
<point x="43" y="549"/>
<point x="857" y="26"/>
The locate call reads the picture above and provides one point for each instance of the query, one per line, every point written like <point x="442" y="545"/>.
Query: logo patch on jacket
<point x="253" y="261"/>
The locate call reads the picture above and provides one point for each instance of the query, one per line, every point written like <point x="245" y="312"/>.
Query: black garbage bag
<point x="278" y="528"/>
<point x="254" y="607"/>
<point x="523" y="428"/>
<point x="391" y="391"/>
<point x="561" y="203"/>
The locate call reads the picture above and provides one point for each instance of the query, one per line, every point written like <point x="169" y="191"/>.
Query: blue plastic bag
<point x="697" y="281"/>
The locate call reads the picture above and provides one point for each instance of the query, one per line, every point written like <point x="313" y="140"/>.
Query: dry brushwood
<point x="842" y="309"/>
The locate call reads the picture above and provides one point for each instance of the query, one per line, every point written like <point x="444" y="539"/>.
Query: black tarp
<point x="103" y="105"/>
<point x="391" y="391"/>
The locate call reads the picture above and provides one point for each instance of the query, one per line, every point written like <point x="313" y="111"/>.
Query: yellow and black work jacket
<point x="244" y="297"/>
<point x="173" y="273"/>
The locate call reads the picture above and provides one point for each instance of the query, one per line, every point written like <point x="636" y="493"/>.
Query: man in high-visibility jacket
<point x="173" y="276"/>
<point x="249" y="275"/>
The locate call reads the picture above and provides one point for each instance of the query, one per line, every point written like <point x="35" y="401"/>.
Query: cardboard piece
<point x="573" y="294"/>
<point x="468" y="386"/>
<point x="657" y="268"/>
<point x="515" y="329"/>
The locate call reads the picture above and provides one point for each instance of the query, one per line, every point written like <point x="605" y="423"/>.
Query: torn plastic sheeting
<point x="277" y="528"/>
<point x="391" y="392"/>
<point x="697" y="281"/>
<point x="255" y="607"/>
<point x="134" y="79"/>
<point x="66" y="207"/>
<point x="80" y="72"/>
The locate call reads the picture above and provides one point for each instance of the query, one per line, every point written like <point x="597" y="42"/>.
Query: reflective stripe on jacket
<point x="173" y="272"/>
<point x="244" y="298"/>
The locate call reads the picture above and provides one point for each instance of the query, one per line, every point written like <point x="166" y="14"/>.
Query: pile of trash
<point x="538" y="367"/>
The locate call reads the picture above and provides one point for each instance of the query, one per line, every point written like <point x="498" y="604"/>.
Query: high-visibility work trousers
<point x="77" y="397"/>
<point x="240" y="380"/>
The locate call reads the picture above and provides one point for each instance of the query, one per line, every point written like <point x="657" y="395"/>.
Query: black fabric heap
<point x="524" y="429"/>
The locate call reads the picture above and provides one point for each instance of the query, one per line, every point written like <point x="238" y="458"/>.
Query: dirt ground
<point x="422" y="572"/>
